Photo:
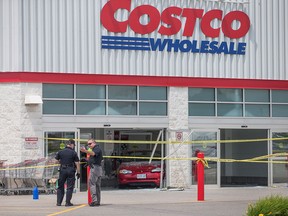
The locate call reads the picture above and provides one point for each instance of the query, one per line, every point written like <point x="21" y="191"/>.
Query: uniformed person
<point x="69" y="164"/>
<point x="94" y="162"/>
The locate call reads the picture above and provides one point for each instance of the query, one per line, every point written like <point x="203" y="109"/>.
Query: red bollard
<point x="200" y="176"/>
<point x="88" y="187"/>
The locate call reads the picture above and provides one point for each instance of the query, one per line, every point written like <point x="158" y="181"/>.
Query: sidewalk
<point x="218" y="202"/>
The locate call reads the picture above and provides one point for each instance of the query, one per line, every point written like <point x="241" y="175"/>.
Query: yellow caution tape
<point x="33" y="167"/>
<point x="262" y="159"/>
<point x="175" y="142"/>
<point x="203" y="161"/>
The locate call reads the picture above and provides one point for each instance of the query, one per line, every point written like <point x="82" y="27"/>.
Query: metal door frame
<point x="270" y="151"/>
<point x="76" y="131"/>
<point x="217" y="147"/>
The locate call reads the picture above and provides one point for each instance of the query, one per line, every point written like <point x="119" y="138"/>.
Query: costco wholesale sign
<point x="168" y="23"/>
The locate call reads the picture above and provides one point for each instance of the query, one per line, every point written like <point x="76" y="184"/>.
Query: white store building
<point x="148" y="70"/>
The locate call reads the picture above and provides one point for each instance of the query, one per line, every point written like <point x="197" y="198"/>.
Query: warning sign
<point x="179" y="136"/>
<point x="31" y="143"/>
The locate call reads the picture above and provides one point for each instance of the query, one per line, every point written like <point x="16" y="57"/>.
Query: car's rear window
<point x="139" y="155"/>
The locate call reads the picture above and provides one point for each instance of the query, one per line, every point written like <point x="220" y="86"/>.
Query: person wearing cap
<point x="94" y="162"/>
<point x="69" y="164"/>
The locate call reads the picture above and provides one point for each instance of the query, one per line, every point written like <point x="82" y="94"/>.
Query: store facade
<point x="148" y="71"/>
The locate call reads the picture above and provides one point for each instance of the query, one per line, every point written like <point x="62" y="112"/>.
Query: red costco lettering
<point x="191" y="16"/>
<point x="207" y="19"/>
<point x="227" y="22"/>
<point x="107" y="15"/>
<point x="169" y="23"/>
<point x="134" y="19"/>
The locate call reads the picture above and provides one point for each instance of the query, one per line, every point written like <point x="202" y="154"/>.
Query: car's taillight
<point x="124" y="171"/>
<point x="158" y="169"/>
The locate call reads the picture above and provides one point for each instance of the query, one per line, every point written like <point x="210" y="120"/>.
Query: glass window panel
<point x="280" y="146"/>
<point x="152" y="93"/>
<point x="58" y="91"/>
<point x="230" y="95"/>
<point x="257" y="110"/>
<point x="230" y="110"/>
<point x="280" y="96"/>
<point x="90" y="108"/>
<point x="122" y="108"/>
<point x="279" y="110"/>
<point x="210" y="174"/>
<point x="122" y="92"/>
<point x="58" y="107"/>
<point x="280" y="171"/>
<point x="90" y="91"/>
<point x="201" y="109"/>
<point x="148" y="108"/>
<point x="53" y="143"/>
<point x="209" y="150"/>
<point x="201" y="94"/>
<point x="254" y="95"/>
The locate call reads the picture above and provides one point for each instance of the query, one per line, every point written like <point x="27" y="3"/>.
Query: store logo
<point x="167" y="23"/>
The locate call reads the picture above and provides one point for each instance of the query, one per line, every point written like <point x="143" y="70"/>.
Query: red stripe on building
<point x="69" y="78"/>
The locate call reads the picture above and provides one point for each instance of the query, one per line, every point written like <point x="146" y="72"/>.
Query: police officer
<point x="94" y="162"/>
<point x="69" y="163"/>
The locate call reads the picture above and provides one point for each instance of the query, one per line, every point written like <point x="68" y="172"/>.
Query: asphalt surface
<point x="148" y="202"/>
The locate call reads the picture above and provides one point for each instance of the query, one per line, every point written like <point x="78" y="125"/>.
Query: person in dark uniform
<point x="69" y="164"/>
<point x="94" y="162"/>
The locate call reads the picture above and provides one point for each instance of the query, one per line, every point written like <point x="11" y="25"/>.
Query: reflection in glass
<point x="54" y="142"/>
<point x="229" y="95"/>
<point x="122" y="92"/>
<point x="230" y="110"/>
<point x="209" y="150"/>
<point x="90" y="92"/>
<point x="280" y="171"/>
<point x="257" y="110"/>
<point x="90" y="108"/>
<point x="122" y="108"/>
<point x="201" y="94"/>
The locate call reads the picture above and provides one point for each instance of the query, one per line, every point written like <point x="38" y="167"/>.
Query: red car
<point x="139" y="173"/>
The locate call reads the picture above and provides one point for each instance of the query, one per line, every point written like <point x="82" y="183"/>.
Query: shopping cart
<point x="50" y="176"/>
<point x="22" y="177"/>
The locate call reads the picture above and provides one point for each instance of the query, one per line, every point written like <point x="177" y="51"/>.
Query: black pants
<point x="66" y="175"/>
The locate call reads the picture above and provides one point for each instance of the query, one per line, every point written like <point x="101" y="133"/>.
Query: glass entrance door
<point x="239" y="173"/>
<point x="54" y="141"/>
<point x="210" y="150"/>
<point x="279" y="170"/>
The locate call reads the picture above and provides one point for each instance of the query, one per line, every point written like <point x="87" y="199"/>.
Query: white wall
<point x="18" y="121"/>
<point x="31" y="121"/>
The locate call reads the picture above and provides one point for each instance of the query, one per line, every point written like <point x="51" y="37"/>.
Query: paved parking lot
<point x="131" y="202"/>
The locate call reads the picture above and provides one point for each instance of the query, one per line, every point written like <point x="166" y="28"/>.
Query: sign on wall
<point x="170" y="22"/>
<point x="31" y="143"/>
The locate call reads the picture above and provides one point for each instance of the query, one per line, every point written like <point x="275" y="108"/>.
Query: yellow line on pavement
<point x="67" y="210"/>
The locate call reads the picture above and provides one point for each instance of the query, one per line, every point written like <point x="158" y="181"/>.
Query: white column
<point x="178" y="170"/>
